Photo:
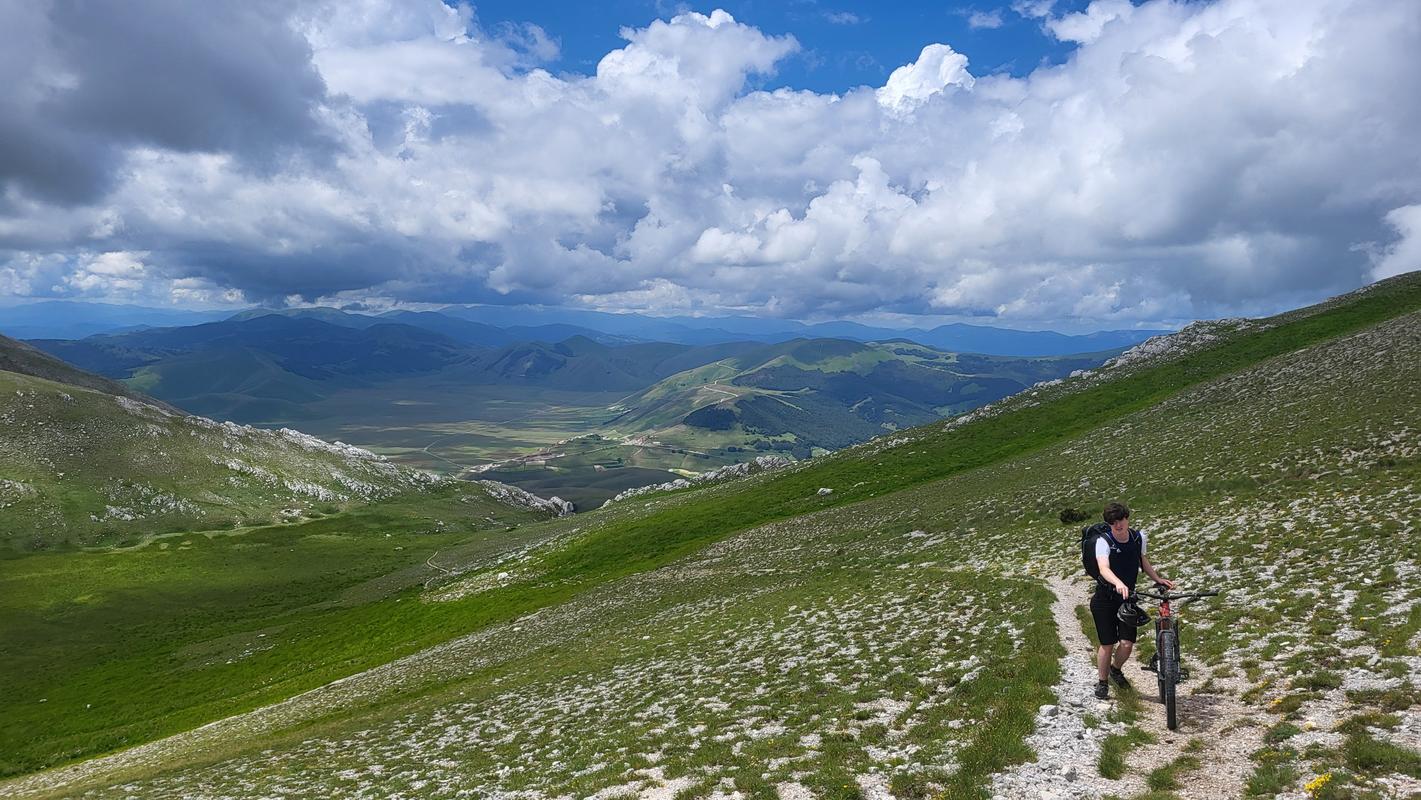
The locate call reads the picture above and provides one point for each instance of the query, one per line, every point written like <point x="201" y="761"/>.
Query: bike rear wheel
<point x="1168" y="676"/>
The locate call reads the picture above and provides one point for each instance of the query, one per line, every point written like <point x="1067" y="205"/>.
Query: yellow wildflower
<point x="1315" y="785"/>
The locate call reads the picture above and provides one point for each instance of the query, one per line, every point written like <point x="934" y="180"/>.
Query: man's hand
<point x="1123" y="590"/>
<point x="1168" y="584"/>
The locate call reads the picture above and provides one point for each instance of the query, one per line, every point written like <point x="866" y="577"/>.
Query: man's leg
<point x="1102" y="611"/>
<point x="1102" y="660"/>
<point x="1122" y="653"/>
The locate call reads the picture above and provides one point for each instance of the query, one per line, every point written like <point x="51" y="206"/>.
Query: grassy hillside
<point x="91" y="469"/>
<point x="23" y="359"/>
<point x="145" y="552"/>
<point x="892" y="635"/>
<point x="127" y="644"/>
<point x="815" y="394"/>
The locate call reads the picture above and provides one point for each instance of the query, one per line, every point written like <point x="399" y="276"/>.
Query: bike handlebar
<point x="1167" y="595"/>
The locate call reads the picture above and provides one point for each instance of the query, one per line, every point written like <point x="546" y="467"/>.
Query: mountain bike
<point x="1167" y="654"/>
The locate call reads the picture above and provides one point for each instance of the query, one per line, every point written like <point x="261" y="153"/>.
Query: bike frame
<point x="1168" y="666"/>
<point x="1165" y="622"/>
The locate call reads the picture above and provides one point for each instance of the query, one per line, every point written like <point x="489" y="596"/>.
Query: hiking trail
<point x="1068" y="749"/>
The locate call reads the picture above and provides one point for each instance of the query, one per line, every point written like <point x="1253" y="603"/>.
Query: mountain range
<point x="494" y="326"/>
<point x="723" y="400"/>
<point x="70" y="319"/>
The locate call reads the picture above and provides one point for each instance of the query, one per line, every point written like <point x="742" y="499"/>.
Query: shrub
<point x="1368" y="719"/>
<point x="1319" y="680"/>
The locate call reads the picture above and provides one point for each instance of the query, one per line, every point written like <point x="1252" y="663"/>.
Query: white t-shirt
<point x="1102" y="550"/>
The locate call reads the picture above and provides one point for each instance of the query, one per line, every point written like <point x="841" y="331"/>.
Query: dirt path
<point x="1068" y="749"/>
<point x="429" y="562"/>
<point x="1227" y="729"/>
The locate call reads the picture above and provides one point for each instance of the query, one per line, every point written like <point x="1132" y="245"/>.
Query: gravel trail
<point x="1068" y="751"/>
<point x="1228" y="730"/>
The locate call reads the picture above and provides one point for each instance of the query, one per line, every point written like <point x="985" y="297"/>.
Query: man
<point x="1120" y="556"/>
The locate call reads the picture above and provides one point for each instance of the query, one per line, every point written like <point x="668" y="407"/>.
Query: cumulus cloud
<point x="1086" y="26"/>
<point x="109" y="274"/>
<point x="1188" y="159"/>
<point x="937" y="68"/>
<point x="85" y="81"/>
<point x="1403" y="255"/>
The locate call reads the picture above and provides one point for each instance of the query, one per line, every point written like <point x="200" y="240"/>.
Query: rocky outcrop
<point x="761" y="464"/>
<point x="1192" y="338"/>
<point x="521" y="497"/>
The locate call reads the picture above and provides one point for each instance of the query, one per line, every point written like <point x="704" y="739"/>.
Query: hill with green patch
<point x="581" y="363"/>
<point x="827" y="394"/>
<point x="876" y="622"/>
<point x="87" y="467"/>
<point x="23" y="359"/>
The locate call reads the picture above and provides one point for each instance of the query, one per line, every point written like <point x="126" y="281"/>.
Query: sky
<point x="1028" y="164"/>
<point x="841" y="45"/>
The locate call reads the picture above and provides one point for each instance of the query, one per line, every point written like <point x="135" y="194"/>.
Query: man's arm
<point x="1154" y="576"/>
<point x="1110" y="577"/>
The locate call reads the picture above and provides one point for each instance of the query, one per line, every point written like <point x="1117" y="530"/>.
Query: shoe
<point x="1102" y="690"/>
<point x="1119" y="678"/>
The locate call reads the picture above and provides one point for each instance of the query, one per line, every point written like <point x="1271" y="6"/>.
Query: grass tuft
<point x="1373" y="756"/>
<point x="1112" y="751"/>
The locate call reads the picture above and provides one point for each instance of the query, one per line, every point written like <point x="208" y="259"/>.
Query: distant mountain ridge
<point x="69" y="319"/>
<point x="494" y="326"/>
<point x="299" y="357"/>
<point x="959" y="337"/>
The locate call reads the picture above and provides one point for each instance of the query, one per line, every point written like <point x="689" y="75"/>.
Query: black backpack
<point x="1088" y="536"/>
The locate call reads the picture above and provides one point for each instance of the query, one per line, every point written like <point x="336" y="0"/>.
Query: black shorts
<point x="1103" y="607"/>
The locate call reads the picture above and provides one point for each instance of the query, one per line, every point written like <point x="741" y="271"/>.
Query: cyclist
<point x="1120" y="555"/>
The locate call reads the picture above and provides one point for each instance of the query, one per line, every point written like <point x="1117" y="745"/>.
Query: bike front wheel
<point x="1168" y="675"/>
